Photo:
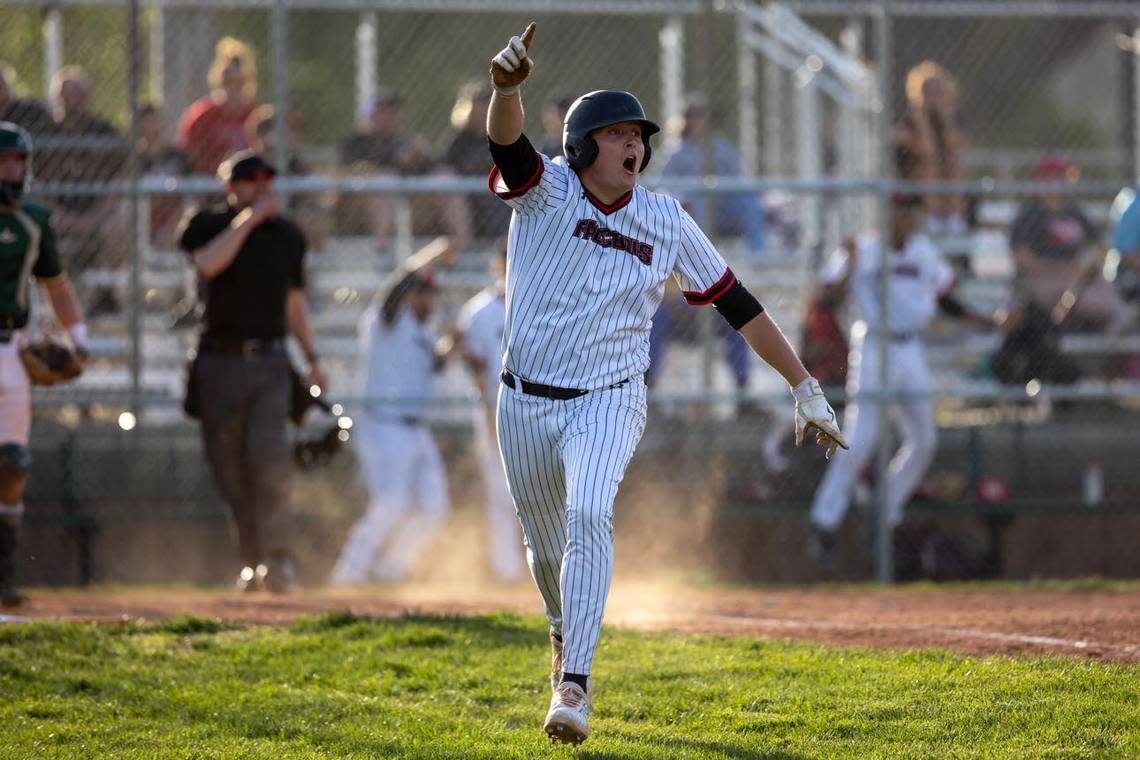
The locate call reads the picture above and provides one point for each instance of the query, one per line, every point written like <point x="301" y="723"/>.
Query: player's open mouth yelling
<point x="629" y="163"/>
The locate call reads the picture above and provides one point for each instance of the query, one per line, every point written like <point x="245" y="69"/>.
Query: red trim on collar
<point x="714" y="291"/>
<point x="620" y="203"/>
<point x="494" y="176"/>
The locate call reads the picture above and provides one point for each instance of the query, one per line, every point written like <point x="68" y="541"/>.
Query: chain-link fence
<point x="1006" y="132"/>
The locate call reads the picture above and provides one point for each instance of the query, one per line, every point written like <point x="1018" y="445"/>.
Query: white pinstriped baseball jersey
<point x="584" y="279"/>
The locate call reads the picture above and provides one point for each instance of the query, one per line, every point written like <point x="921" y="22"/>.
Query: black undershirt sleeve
<point x="738" y="306"/>
<point x="517" y="162"/>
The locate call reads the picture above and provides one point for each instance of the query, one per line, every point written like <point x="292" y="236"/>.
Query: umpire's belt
<point x="547" y="391"/>
<point x="242" y="347"/>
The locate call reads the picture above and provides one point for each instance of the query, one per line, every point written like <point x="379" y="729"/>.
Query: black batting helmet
<point x="597" y="109"/>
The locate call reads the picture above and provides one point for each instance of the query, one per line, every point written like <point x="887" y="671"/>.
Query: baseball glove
<point x="48" y="362"/>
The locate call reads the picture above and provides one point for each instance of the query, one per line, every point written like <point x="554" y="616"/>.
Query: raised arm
<point x="509" y="69"/>
<point x="403" y="277"/>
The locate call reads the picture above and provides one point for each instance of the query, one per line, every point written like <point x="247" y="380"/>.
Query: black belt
<point x="902" y="337"/>
<point x="549" y="391"/>
<point x="242" y="347"/>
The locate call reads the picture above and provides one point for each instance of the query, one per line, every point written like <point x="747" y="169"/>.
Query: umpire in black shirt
<point x="250" y="259"/>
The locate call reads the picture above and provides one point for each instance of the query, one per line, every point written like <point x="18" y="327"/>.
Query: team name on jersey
<point x="588" y="229"/>
<point x="905" y="270"/>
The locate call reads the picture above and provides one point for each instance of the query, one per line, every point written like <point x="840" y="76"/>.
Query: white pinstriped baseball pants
<point x="564" y="461"/>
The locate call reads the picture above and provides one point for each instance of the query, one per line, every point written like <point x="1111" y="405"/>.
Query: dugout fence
<point x="807" y="94"/>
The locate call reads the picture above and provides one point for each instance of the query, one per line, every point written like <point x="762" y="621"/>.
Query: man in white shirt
<point x="399" y="459"/>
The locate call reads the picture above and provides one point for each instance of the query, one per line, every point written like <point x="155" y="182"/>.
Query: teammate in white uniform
<point x="481" y="327"/>
<point x="588" y="254"/>
<point x="919" y="284"/>
<point x="399" y="459"/>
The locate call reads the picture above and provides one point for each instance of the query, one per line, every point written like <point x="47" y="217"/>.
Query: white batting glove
<point x="511" y="66"/>
<point x="813" y="411"/>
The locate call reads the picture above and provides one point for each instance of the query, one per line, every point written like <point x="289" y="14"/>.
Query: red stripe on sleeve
<point x="494" y="177"/>
<point x="715" y="291"/>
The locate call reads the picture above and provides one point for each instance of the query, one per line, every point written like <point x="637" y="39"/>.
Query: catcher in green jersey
<point x="27" y="252"/>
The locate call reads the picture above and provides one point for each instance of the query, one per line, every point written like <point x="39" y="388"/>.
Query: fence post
<point x="884" y="547"/>
<point x="279" y="20"/>
<point x="134" y="243"/>
<point x="746" y="95"/>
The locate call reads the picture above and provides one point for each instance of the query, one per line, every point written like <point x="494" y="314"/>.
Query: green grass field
<point x="339" y="686"/>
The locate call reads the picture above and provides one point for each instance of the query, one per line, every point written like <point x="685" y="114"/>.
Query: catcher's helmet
<point x="14" y="139"/>
<point x="597" y="109"/>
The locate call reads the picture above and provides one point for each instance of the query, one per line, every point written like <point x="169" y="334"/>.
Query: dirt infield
<point x="1094" y="624"/>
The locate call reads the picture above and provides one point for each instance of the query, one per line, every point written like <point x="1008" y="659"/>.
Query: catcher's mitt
<point x="48" y="362"/>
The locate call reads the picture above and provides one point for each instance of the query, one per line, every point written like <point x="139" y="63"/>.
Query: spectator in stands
<point x="213" y="127"/>
<point x="1126" y="241"/>
<point x="466" y="155"/>
<point x="311" y="211"/>
<point x="159" y="158"/>
<point x="92" y="229"/>
<point x="1126" y="277"/>
<point x="1056" y="247"/>
<point x="382" y="149"/>
<point x="553" y="117"/>
<point x="28" y="113"/>
<point x="736" y="214"/>
<point x="928" y="144"/>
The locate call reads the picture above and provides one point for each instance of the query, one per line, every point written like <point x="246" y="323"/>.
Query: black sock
<point x="575" y="678"/>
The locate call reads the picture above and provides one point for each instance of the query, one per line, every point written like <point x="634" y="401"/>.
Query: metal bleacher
<point x="346" y="274"/>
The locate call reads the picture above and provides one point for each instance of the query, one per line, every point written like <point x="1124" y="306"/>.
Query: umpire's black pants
<point x="244" y="413"/>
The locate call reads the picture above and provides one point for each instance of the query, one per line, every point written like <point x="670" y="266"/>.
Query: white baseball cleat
<point x="569" y="710"/>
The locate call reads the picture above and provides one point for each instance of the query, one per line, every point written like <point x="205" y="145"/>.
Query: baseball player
<point x="588" y="254"/>
<point x="481" y="330"/>
<point x="920" y="283"/>
<point x="399" y="459"/>
<point x="27" y="250"/>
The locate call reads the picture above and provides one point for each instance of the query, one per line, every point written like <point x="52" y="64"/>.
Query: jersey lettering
<point x="588" y="229"/>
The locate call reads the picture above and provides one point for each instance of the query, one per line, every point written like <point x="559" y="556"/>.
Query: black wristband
<point x="738" y="306"/>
